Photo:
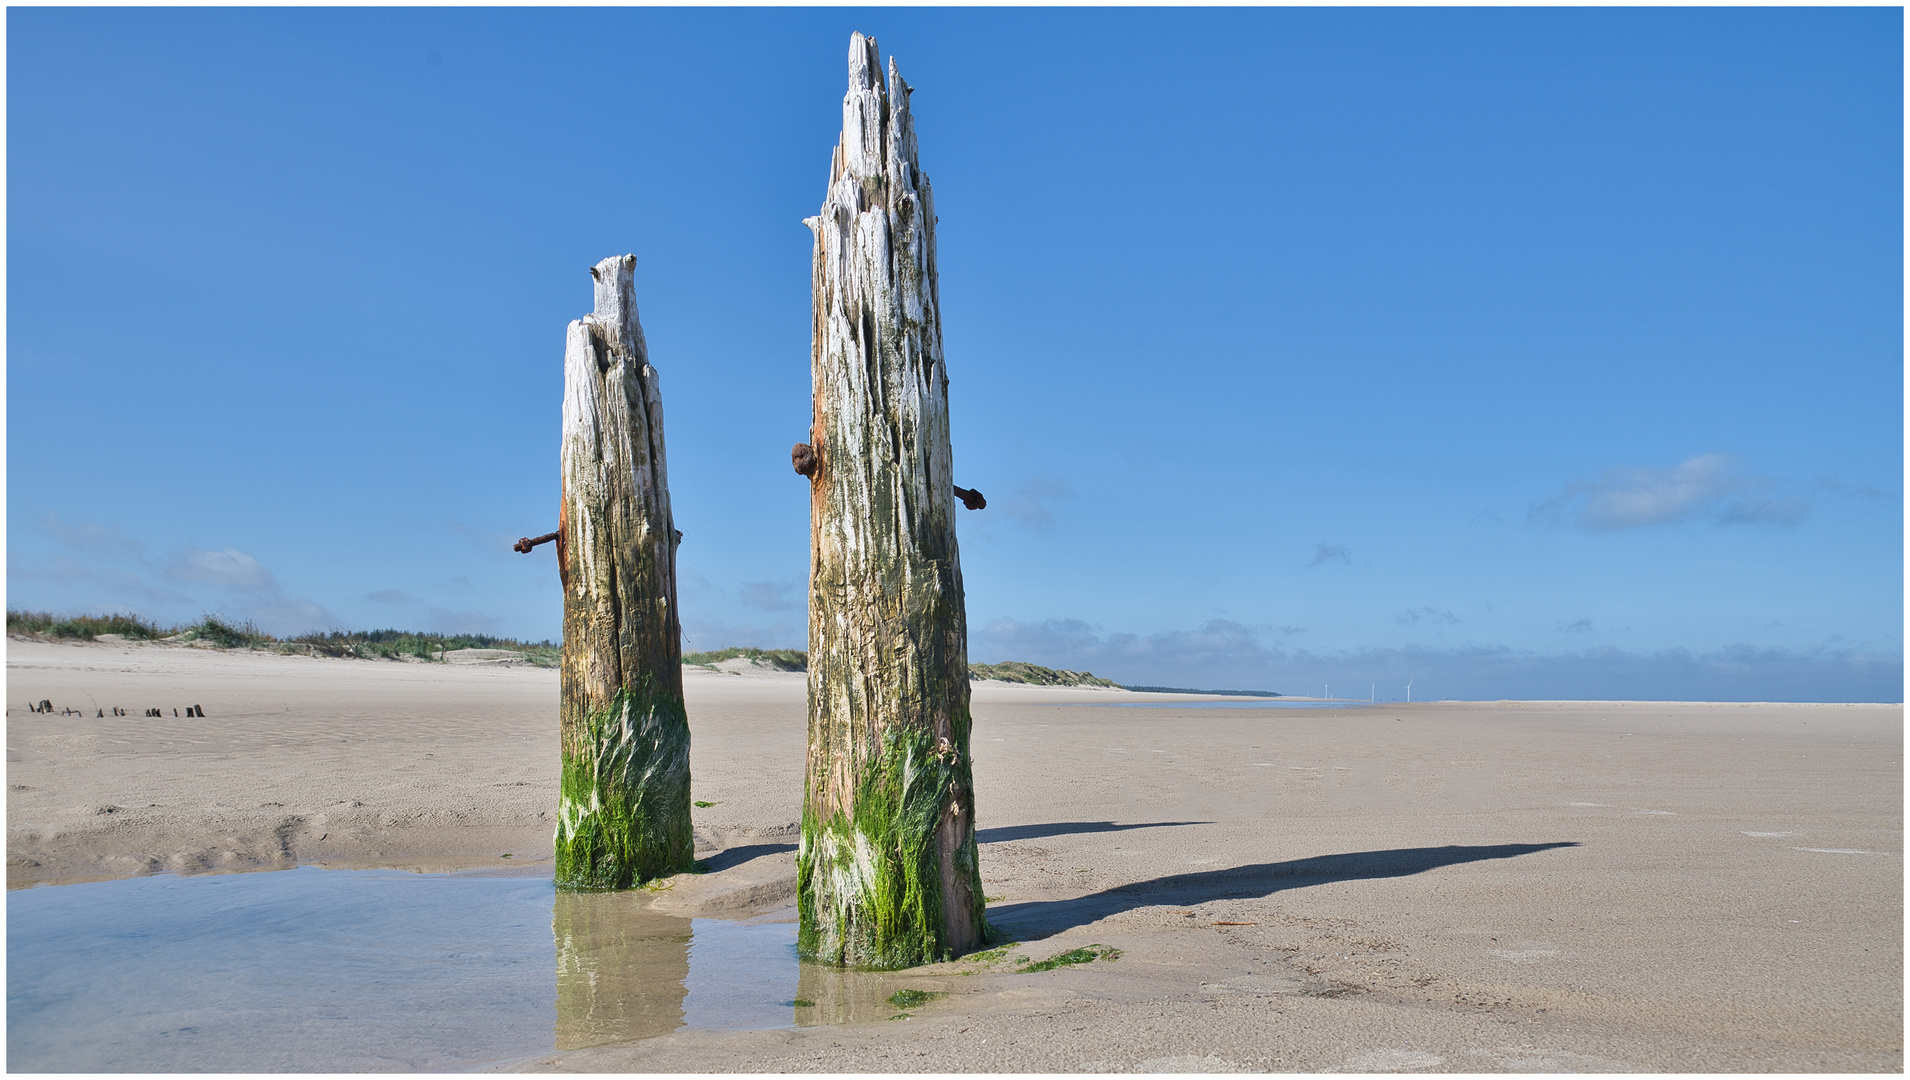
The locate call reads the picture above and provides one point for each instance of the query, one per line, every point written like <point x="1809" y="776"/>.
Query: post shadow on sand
<point x="1040" y="918"/>
<point x="737" y="856"/>
<point x="1066" y="828"/>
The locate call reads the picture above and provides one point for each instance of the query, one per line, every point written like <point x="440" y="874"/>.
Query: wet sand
<point x="1469" y="887"/>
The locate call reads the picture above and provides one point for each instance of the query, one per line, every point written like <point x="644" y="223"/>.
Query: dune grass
<point x="1014" y="671"/>
<point x="84" y="627"/>
<point x="780" y="659"/>
<point x="408" y="644"/>
<point x="392" y="644"/>
<point x="224" y="633"/>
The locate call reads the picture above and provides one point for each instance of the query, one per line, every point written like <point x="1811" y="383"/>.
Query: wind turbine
<point x="1409" y="691"/>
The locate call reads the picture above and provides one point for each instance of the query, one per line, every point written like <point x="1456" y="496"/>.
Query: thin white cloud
<point x="231" y="568"/>
<point x="391" y="596"/>
<point x="1327" y="553"/>
<point x="1218" y="645"/>
<point x="1032" y="502"/>
<point x="772" y="595"/>
<point x="703" y="635"/>
<point x="119" y="583"/>
<point x="1432" y="616"/>
<point x="282" y="615"/>
<point x="444" y="621"/>
<point x="1713" y="487"/>
<point x="89" y="536"/>
<point x="99" y="567"/>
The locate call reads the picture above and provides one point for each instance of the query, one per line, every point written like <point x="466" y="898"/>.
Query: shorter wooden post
<point x="624" y="809"/>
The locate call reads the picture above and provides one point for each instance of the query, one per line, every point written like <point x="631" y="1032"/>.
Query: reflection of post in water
<point x="620" y="969"/>
<point x="826" y="994"/>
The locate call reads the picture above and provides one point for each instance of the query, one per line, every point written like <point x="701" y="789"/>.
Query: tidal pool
<point x="314" y="970"/>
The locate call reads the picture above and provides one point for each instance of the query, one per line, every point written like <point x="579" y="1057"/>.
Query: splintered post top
<point x="877" y="133"/>
<point x="616" y="300"/>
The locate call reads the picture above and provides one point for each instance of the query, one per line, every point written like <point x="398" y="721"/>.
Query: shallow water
<point x="366" y="970"/>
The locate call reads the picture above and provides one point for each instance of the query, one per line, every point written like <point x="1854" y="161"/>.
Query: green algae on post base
<point x="869" y="885"/>
<point x="624" y="804"/>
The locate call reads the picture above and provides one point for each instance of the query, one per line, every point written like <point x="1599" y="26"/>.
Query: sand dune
<point x="1453" y="887"/>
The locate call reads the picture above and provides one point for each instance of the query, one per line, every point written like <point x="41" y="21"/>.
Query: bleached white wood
<point x="888" y="663"/>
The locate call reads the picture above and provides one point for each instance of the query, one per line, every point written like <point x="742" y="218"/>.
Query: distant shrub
<point x="228" y="635"/>
<point x="780" y="659"/>
<point x="1034" y="674"/>
<point x="400" y="644"/>
<point x="84" y="627"/>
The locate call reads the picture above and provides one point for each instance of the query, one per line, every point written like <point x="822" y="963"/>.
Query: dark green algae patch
<point x="624" y="805"/>
<point x="887" y="914"/>
<point x="1085" y="955"/>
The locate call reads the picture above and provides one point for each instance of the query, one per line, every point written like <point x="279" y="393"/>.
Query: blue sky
<point x="1522" y="353"/>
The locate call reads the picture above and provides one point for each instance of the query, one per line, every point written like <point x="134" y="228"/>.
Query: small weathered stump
<point x="624" y="808"/>
<point x="887" y="869"/>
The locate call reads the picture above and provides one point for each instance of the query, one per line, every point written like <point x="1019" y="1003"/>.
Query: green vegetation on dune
<point x="780" y="659"/>
<point x="415" y="645"/>
<point x="1035" y="675"/>
<point x="399" y="644"/>
<point x="1014" y="671"/>
<point x="227" y="634"/>
<point x="84" y="627"/>
<point x="1190" y="690"/>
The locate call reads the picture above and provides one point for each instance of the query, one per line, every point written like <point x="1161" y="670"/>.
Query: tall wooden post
<point x="624" y="810"/>
<point x="887" y="866"/>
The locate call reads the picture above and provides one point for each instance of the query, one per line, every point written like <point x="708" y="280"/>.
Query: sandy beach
<point x="1460" y="887"/>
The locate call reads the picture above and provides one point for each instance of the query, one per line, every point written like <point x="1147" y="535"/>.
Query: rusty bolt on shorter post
<point x="971" y="499"/>
<point x="527" y="543"/>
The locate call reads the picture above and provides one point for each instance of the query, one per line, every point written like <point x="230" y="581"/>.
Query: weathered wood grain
<point x="887" y="867"/>
<point x="625" y="796"/>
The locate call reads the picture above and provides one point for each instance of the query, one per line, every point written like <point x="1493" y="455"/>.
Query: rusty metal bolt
<point x="527" y="543"/>
<point x="803" y="457"/>
<point x="971" y="499"/>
